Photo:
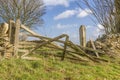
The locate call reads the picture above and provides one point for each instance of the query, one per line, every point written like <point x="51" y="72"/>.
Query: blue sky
<point x="65" y="17"/>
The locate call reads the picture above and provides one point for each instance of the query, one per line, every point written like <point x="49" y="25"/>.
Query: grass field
<point x="52" y="68"/>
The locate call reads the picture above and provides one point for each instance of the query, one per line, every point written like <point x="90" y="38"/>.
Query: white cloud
<point x="83" y="13"/>
<point x="60" y="26"/>
<point x="94" y="32"/>
<point x="87" y="27"/>
<point x="99" y="30"/>
<point x="57" y="2"/>
<point x="100" y="26"/>
<point x="63" y="26"/>
<point x="66" y="14"/>
<point x="69" y="13"/>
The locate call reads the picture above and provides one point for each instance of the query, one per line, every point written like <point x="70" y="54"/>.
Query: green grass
<point x="52" y="68"/>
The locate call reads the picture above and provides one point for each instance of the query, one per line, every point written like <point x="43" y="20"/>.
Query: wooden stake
<point x="82" y="32"/>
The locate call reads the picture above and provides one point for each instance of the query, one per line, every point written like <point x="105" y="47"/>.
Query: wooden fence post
<point x="4" y="35"/>
<point x="11" y="34"/>
<point x="16" y="41"/>
<point x="4" y="27"/>
<point x="82" y="34"/>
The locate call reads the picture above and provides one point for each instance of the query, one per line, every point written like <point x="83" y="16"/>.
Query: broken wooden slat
<point x="65" y="47"/>
<point x="26" y="47"/>
<point x="93" y="45"/>
<point x="90" y="49"/>
<point x="85" y="48"/>
<point x="26" y="57"/>
<point x="81" y="52"/>
<point x="30" y="58"/>
<point x="75" y="54"/>
<point x="47" y="42"/>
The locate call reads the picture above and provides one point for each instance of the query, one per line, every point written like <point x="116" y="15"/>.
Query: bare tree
<point x="117" y="14"/>
<point x="106" y="12"/>
<point x="28" y="11"/>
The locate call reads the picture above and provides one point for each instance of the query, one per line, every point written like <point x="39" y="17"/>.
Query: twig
<point x="93" y="45"/>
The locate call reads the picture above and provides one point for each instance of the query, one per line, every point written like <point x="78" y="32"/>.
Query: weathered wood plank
<point x="65" y="47"/>
<point x="16" y="42"/>
<point x="93" y="45"/>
